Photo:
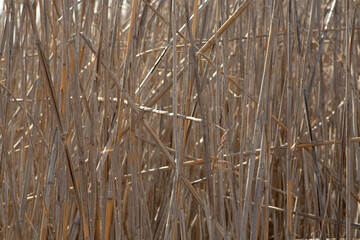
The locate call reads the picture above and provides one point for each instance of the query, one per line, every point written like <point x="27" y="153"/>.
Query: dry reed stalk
<point x="179" y="119"/>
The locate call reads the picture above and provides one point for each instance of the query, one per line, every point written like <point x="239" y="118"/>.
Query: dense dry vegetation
<point x="178" y="119"/>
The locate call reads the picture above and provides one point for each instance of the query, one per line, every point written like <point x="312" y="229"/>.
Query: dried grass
<point x="179" y="119"/>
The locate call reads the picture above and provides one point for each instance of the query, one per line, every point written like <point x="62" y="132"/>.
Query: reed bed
<point x="178" y="119"/>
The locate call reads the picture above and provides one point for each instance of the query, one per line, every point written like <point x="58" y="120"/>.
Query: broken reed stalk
<point x="179" y="119"/>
